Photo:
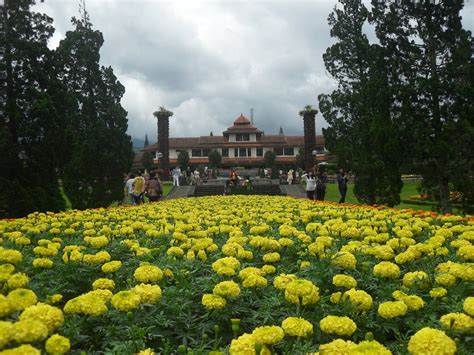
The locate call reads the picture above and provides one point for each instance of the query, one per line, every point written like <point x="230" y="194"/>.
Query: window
<point x="196" y="153"/>
<point x="225" y="152"/>
<point x="278" y="151"/>
<point x="289" y="151"/>
<point x="249" y="152"/>
<point x="242" y="152"/>
<point x="239" y="137"/>
<point x="259" y="152"/>
<point x="236" y="152"/>
<point x="205" y="152"/>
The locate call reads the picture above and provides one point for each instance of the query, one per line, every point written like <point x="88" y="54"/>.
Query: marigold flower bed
<point x="239" y="275"/>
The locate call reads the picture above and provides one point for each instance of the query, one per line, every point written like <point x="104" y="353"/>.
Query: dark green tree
<point x="432" y="84"/>
<point x="300" y="158"/>
<point x="147" y="160"/>
<point x="361" y="131"/>
<point x="101" y="149"/>
<point x="215" y="161"/>
<point x="183" y="159"/>
<point x="31" y="128"/>
<point x="269" y="159"/>
<point x="146" y="144"/>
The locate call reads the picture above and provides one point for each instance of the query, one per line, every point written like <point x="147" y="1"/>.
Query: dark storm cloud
<point x="208" y="61"/>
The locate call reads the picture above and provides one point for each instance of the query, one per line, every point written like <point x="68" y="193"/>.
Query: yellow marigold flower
<point x="148" y="273"/>
<point x="25" y="349"/>
<point x="125" y="301"/>
<point x="255" y="280"/>
<point x="246" y="272"/>
<point x="337" y="347"/>
<point x="10" y="256"/>
<point x="419" y="278"/>
<point x="5" y="308"/>
<point x="211" y="301"/>
<point x="387" y="269"/>
<point x="466" y="252"/>
<point x="29" y="331"/>
<point x="305" y="264"/>
<point x="268" y="334"/>
<point x="97" y="242"/>
<point x="42" y="251"/>
<point x="44" y="263"/>
<point x="111" y="266"/>
<point x="286" y="242"/>
<point x="281" y="281"/>
<point x="429" y="341"/>
<point x="438" y="292"/>
<point x="389" y="310"/>
<point x="148" y="351"/>
<point x="446" y="280"/>
<point x="226" y="289"/>
<point x="342" y="326"/>
<point x="370" y="347"/>
<point x="226" y="266"/>
<point x="168" y="273"/>
<point x="345" y="281"/>
<point x="148" y="293"/>
<point x="18" y="280"/>
<point x="297" y="327"/>
<point x="6" y="268"/>
<point x="104" y="295"/>
<point x="21" y="298"/>
<point x="50" y="316"/>
<point x="268" y="269"/>
<point x="243" y="345"/>
<point x="271" y="257"/>
<point x="175" y="251"/>
<point x="335" y="297"/>
<point x="301" y="292"/>
<point x="413" y="302"/>
<point x="88" y="304"/>
<point x="6" y="329"/>
<point x="57" y="297"/>
<point x="103" y="284"/>
<point x="468" y="306"/>
<point x="57" y="344"/>
<point x="344" y="260"/>
<point x="361" y="300"/>
<point x="458" y="321"/>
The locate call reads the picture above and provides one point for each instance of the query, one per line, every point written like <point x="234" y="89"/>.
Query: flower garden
<point x="238" y="275"/>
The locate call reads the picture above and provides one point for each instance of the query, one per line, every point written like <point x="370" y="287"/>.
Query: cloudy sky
<point x="210" y="60"/>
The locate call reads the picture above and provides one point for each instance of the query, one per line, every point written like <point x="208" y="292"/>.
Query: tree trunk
<point x="444" y="200"/>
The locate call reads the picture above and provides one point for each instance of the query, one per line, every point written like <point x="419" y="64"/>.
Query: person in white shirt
<point x="129" y="188"/>
<point x="176" y="174"/>
<point x="310" y="180"/>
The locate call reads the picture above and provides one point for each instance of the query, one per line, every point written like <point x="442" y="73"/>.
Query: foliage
<point x="146" y="144"/>
<point x="33" y="141"/>
<point x="269" y="158"/>
<point x="215" y="159"/>
<point x="183" y="159"/>
<point x="147" y="160"/>
<point x="422" y="259"/>
<point x="102" y="151"/>
<point x="300" y="158"/>
<point x="362" y="133"/>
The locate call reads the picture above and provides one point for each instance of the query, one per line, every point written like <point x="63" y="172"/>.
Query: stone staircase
<point x="272" y="190"/>
<point x="180" y="191"/>
<point x="208" y="190"/>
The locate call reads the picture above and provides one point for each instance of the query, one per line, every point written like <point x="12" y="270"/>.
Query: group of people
<point x="187" y="177"/>
<point x="316" y="184"/>
<point x="138" y="186"/>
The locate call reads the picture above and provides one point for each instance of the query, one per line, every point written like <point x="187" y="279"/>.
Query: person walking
<point x="342" y="180"/>
<point x="310" y="181"/>
<point x="129" y="189"/>
<point x="138" y="189"/>
<point x="320" y="185"/>
<point x="154" y="190"/>
<point x="289" y="178"/>
<point x="176" y="174"/>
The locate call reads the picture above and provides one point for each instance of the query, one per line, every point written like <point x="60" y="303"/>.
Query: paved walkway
<point x="180" y="191"/>
<point x="293" y="190"/>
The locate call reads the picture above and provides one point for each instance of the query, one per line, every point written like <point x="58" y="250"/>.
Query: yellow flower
<point x="429" y="341"/>
<point x="301" y="292"/>
<point x="370" y="347"/>
<point x="57" y="344"/>
<point x="282" y="280"/>
<point x="50" y="316"/>
<point x="227" y="289"/>
<point x="18" y="280"/>
<point x="25" y="349"/>
<point x="88" y="304"/>
<point x="44" y="263"/>
<point x="10" y="256"/>
<point x="29" y="331"/>
<point x="468" y="306"/>
<point x="438" y="292"/>
<point x="126" y="301"/>
<point x="458" y="321"/>
<point x="255" y="280"/>
<point x="342" y="326"/>
<point x="271" y="257"/>
<point x="5" y="333"/>
<point x="148" y="351"/>
<point x="243" y="345"/>
<point x="268" y="334"/>
<point x="148" y="273"/>
<point x="111" y="266"/>
<point x="419" y="278"/>
<point x="337" y="347"/>
<point x="297" y="327"/>
<point x="390" y="310"/>
<point x="21" y="298"/>
<point x="344" y="260"/>
<point x="361" y="300"/>
<point x="211" y="301"/>
<point x="344" y="281"/>
<point x="387" y="269"/>
<point x="148" y="293"/>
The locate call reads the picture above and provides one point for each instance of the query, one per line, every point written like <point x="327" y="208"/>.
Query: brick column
<point x="163" y="118"/>
<point x="309" y="122"/>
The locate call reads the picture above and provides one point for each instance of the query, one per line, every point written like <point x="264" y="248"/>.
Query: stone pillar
<point x="309" y="122"/>
<point x="163" y="118"/>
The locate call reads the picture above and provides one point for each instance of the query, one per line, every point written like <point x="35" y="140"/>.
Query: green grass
<point x="409" y="189"/>
<point x="167" y="186"/>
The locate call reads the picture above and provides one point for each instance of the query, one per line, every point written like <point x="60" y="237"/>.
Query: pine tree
<point x="146" y="144"/>
<point x="432" y="84"/>
<point x="362" y="133"/>
<point x="30" y="125"/>
<point x="102" y="151"/>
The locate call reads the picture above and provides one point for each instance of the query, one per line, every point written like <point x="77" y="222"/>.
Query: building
<point x="242" y="144"/>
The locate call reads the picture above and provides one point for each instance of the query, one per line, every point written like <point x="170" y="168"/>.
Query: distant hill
<point x="138" y="143"/>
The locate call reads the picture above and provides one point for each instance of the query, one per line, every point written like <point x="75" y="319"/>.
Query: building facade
<point x="242" y="144"/>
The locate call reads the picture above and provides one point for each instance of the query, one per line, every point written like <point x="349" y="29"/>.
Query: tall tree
<point x="361" y="130"/>
<point x="432" y="81"/>
<point x="183" y="159"/>
<point x="102" y="151"/>
<point x="146" y="144"/>
<point x="31" y="129"/>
